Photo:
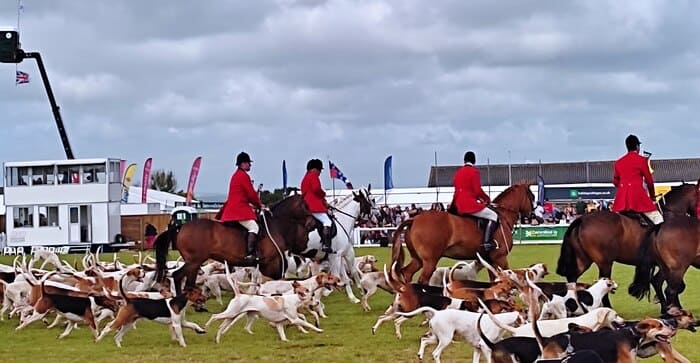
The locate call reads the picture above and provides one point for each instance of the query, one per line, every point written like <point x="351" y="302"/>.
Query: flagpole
<point x="488" y="175"/>
<point x="437" y="187"/>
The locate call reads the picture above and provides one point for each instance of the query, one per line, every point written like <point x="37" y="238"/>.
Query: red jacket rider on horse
<point x="631" y="173"/>
<point x="470" y="199"/>
<point x="238" y="209"/>
<point x="315" y="198"/>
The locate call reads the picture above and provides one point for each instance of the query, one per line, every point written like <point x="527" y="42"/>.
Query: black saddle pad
<point x="643" y="220"/>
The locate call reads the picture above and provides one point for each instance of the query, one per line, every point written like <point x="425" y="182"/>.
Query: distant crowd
<point x="547" y="213"/>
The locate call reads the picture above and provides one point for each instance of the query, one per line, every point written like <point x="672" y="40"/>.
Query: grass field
<point x="347" y="336"/>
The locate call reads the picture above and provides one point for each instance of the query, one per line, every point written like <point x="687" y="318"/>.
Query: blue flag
<point x="388" y="181"/>
<point x="540" y="189"/>
<point x="284" y="177"/>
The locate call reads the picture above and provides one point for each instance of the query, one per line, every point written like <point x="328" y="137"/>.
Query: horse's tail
<point x="161" y="246"/>
<point x="397" y="254"/>
<point x="567" y="266"/>
<point x="646" y="262"/>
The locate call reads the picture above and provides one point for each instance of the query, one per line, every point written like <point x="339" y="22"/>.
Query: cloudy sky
<point x="353" y="80"/>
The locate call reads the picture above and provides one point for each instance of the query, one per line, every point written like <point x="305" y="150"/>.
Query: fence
<point x="542" y="234"/>
<point x="133" y="227"/>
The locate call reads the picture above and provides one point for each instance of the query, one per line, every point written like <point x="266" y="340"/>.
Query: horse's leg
<point x="657" y="283"/>
<point x="675" y="286"/>
<point x="428" y="269"/>
<point x="605" y="270"/>
<point x="411" y="268"/>
<point x="178" y="275"/>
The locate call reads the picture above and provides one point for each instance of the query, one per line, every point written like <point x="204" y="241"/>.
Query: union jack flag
<point x="21" y="77"/>
<point x="337" y="174"/>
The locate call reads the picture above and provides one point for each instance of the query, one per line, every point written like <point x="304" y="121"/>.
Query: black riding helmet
<point x="314" y="164"/>
<point x="243" y="157"/>
<point x="470" y="157"/>
<point x="632" y="142"/>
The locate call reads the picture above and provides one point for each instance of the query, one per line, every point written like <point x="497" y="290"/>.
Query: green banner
<point x="539" y="233"/>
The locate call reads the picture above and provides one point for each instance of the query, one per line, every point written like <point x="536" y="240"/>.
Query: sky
<point x="353" y="81"/>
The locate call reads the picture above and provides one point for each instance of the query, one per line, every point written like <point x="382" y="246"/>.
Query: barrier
<point x="523" y="234"/>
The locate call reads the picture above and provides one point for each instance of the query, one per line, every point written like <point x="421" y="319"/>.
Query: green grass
<point x="347" y="336"/>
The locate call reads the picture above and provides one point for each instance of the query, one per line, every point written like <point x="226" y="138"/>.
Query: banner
<point x="145" y="180"/>
<point x="337" y="174"/>
<point x="540" y="189"/>
<point x="388" y="181"/>
<point x="122" y="167"/>
<point x="127" y="181"/>
<point x="540" y="233"/>
<point x="193" y="179"/>
<point x="585" y="193"/>
<point x="284" y="178"/>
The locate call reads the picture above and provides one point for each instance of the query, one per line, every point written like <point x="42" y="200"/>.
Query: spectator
<point x="539" y="213"/>
<point x="580" y="207"/>
<point x="150" y="233"/>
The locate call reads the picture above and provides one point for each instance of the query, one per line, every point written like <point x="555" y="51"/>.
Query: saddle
<point x="240" y="229"/>
<point x="480" y="222"/>
<point x="641" y="218"/>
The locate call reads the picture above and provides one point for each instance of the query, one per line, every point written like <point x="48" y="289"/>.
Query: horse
<point x="434" y="234"/>
<point x="673" y="246"/>
<point x="346" y="212"/>
<point x="605" y="237"/>
<point x="285" y="226"/>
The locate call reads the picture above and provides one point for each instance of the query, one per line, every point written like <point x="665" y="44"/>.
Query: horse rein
<point x="269" y="233"/>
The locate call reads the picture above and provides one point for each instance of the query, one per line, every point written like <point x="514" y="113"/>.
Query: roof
<point x="59" y="162"/>
<point x="665" y="170"/>
<point x="166" y="200"/>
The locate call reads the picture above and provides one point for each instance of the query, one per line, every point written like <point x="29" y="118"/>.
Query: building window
<point x="18" y="176"/>
<point x="74" y="214"/>
<point x="115" y="172"/>
<point x="48" y="216"/>
<point x="22" y="217"/>
<point x="43" y="175"/>
<point x="68" y="174"/>
<point x="94" y="173"/>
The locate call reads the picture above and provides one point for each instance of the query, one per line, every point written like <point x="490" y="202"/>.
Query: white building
<point x="62" y="202"/>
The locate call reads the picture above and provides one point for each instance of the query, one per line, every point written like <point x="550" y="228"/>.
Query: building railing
<point x="523" y="234"/>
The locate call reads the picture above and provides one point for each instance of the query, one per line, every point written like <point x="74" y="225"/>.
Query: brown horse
<point x="673" y="246"/>
<point x="606" y="237"/>
<point x="289" y="222"/>
<point x="434" y="234"/>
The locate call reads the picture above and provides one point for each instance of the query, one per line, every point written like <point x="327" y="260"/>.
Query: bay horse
<point x="605" y="237"/>
<point x="284" y="227"/>
<point x="347" y="211"/>
<point x="673" y="246"/>
<point x="435" y="234"/>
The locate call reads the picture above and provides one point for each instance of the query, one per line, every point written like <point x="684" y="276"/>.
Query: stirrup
<point x="251" y="259"/>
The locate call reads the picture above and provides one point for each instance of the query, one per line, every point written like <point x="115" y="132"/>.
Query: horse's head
<point x="366" y="203"/>
<point x="682" y="199"/>
<point x="295" y="210"/>
<point x="518" y="198"/>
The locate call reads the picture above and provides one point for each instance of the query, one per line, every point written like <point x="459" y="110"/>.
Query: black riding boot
<point x="251" y="248"/>
<point x="326" y="240"/>
<point x="488" y="242"/>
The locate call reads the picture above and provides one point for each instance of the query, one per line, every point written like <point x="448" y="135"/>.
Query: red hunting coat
<point x="631" y="171"/>
<point x="240" y="197"/>
<point x="314" y="195"/>
<point x="469" y="197"/>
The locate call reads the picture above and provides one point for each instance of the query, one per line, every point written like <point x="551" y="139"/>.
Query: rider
<point x="469" y="198"/>
<point x="315" y="198"/>
<point x="237" y="208"/>
<point x="631" y="196"/>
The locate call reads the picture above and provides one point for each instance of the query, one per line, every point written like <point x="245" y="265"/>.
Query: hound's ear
<point x="642" y="326"/>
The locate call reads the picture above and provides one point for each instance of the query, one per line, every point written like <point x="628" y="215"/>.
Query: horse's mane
<point x="341" y="202"/>
<point x="504" y="194"/>
<point x="283" y="203"/>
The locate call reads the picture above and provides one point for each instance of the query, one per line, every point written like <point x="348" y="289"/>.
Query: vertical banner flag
<point x="127" y="180"/>
<point x="145" y="180"/>
<point x="284" y="178"/>
<point x="193" y="179"/>
<point x="337" y="174"/>
<point x="122" y="167"/>
<point x="540" y="189"/>
<point x="388" y="181"/>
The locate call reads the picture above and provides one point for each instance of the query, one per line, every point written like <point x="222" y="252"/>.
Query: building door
<point x="80" y="223"/>
<point x="74" y="224"/>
